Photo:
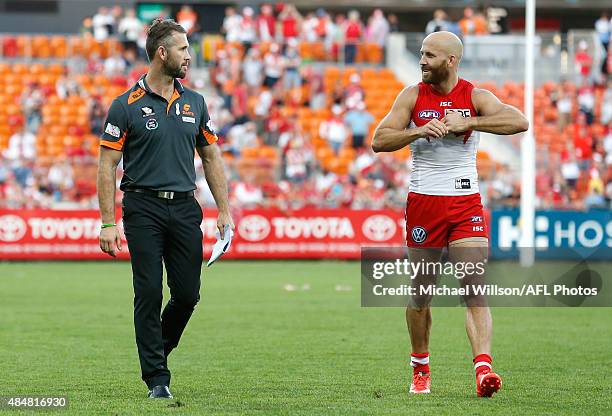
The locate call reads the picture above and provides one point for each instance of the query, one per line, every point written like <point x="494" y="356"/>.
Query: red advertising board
<point x="260" y="234"/>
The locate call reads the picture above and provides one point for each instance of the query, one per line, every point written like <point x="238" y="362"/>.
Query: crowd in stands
<point x="284" y="24"/>
<point x="472" y="22"/>
<point x="293" y="134"/>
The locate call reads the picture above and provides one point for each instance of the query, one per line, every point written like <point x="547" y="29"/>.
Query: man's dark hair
<point x="159" y="34"/>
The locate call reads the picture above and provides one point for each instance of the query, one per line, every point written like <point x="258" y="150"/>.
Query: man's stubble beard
<point x="437" y="75"/>
<point x="174" y="72"/>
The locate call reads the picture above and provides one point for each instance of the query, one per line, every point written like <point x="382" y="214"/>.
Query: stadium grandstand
<point x="296" y="315"/>
<point x="295" y="96"/>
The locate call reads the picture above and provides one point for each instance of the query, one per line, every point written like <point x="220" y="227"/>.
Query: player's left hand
<point x="456" y="123"/>
<point x="223" y="219"/>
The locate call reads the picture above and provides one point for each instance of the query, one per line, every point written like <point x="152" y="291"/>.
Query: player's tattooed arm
<point x="110" y="240"/>
<point x="392" y="134"/>
<point x="493" y="116"/>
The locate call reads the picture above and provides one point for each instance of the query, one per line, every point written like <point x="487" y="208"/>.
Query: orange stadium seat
<point x="24" y="46"/>
<point x="249" y="152"/>
<point x="319" y="52"/>
<point x="306" y="51"/>
<point x="348" y="153"/>
<point x="374" y="53"/>
<point x="36" y="69"/>
<point x="5" y="130"/>
<point x="268" y="152"/>
<point x="19" y="69"/>
<point x="326" y="162"/>
<point x="324" y="153"/>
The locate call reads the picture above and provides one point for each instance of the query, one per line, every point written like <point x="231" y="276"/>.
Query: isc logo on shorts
<point x="419" y="234"/>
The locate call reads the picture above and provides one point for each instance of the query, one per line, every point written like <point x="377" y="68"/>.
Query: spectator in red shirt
<point x="584" y="61"/>
<point x="322" y="24"/>
<point x="297" y="158"/>
<point x="352" y="34"/>
<point x="239" y="102"/>
<point x="274" y="125"/>
<point x="291" y="22"/>
<point x="266" y="24"/>
<point x="583" y="142"/>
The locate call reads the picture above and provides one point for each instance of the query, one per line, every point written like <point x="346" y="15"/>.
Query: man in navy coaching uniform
<point x="156" y="127"/>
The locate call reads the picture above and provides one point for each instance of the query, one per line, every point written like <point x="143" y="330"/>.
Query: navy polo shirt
<point x="158" y="138"/>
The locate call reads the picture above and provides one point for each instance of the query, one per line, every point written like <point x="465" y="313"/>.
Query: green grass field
<point x="253" y="347"/>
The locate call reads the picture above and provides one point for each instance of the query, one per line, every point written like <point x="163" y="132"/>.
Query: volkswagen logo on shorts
<point x="254" y="228"/>
<point x="419" y="235"/>
<point x="151" y="124"/>
<point x="379" y="228"/>
<point x="12" y="228"/>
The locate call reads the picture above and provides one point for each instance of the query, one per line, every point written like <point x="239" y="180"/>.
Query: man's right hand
<point x="434" y="129"/>
<point x="110" y="240"/>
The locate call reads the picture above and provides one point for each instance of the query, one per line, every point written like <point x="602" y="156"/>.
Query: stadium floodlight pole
<point x="527" y="215"/>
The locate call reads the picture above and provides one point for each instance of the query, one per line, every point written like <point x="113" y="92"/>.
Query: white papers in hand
<point x="222" y="245"/>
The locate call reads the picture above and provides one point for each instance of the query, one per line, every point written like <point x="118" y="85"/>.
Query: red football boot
<point x="487" y="383"/>
<point x="420" y="383"/>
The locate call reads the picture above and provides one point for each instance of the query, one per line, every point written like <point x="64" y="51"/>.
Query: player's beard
<point x="175" y="69"/>
<point x="436" y="75"/>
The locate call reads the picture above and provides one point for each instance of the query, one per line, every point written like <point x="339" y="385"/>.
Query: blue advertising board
<point x="558" y="234"/>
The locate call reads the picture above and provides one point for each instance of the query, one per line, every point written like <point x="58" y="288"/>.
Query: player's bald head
<point x="440" y="56"/>
<point x="445" y="42"/>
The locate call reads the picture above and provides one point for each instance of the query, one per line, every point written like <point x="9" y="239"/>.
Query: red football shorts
<point x="434" y="220"/>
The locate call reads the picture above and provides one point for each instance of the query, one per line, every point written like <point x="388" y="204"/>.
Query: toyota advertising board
<point x="73" y="235"/>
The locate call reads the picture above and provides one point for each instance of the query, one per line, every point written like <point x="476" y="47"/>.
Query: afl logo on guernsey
<point x="419" y="235"/>
<point x="429" y="114"/>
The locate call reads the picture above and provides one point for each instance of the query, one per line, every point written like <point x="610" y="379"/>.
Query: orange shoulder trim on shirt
<point x="136" y="95"/>
<point x="210" y="138"/>
<point x="118" y="145"/>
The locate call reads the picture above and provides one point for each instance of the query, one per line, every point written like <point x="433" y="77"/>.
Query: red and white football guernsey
<point x="445" y="166"/>
<point x="444" y="201"/>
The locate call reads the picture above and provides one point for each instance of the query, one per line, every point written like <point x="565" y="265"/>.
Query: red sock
<point x="419" y="361"/>
<point x="482" y="363"/>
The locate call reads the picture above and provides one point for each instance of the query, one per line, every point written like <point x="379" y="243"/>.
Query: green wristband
<point x="108" y="225"/>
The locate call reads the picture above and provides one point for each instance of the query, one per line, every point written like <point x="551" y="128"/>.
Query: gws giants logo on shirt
<point x="187" y="110"/>
<point x="429" y="114"/>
